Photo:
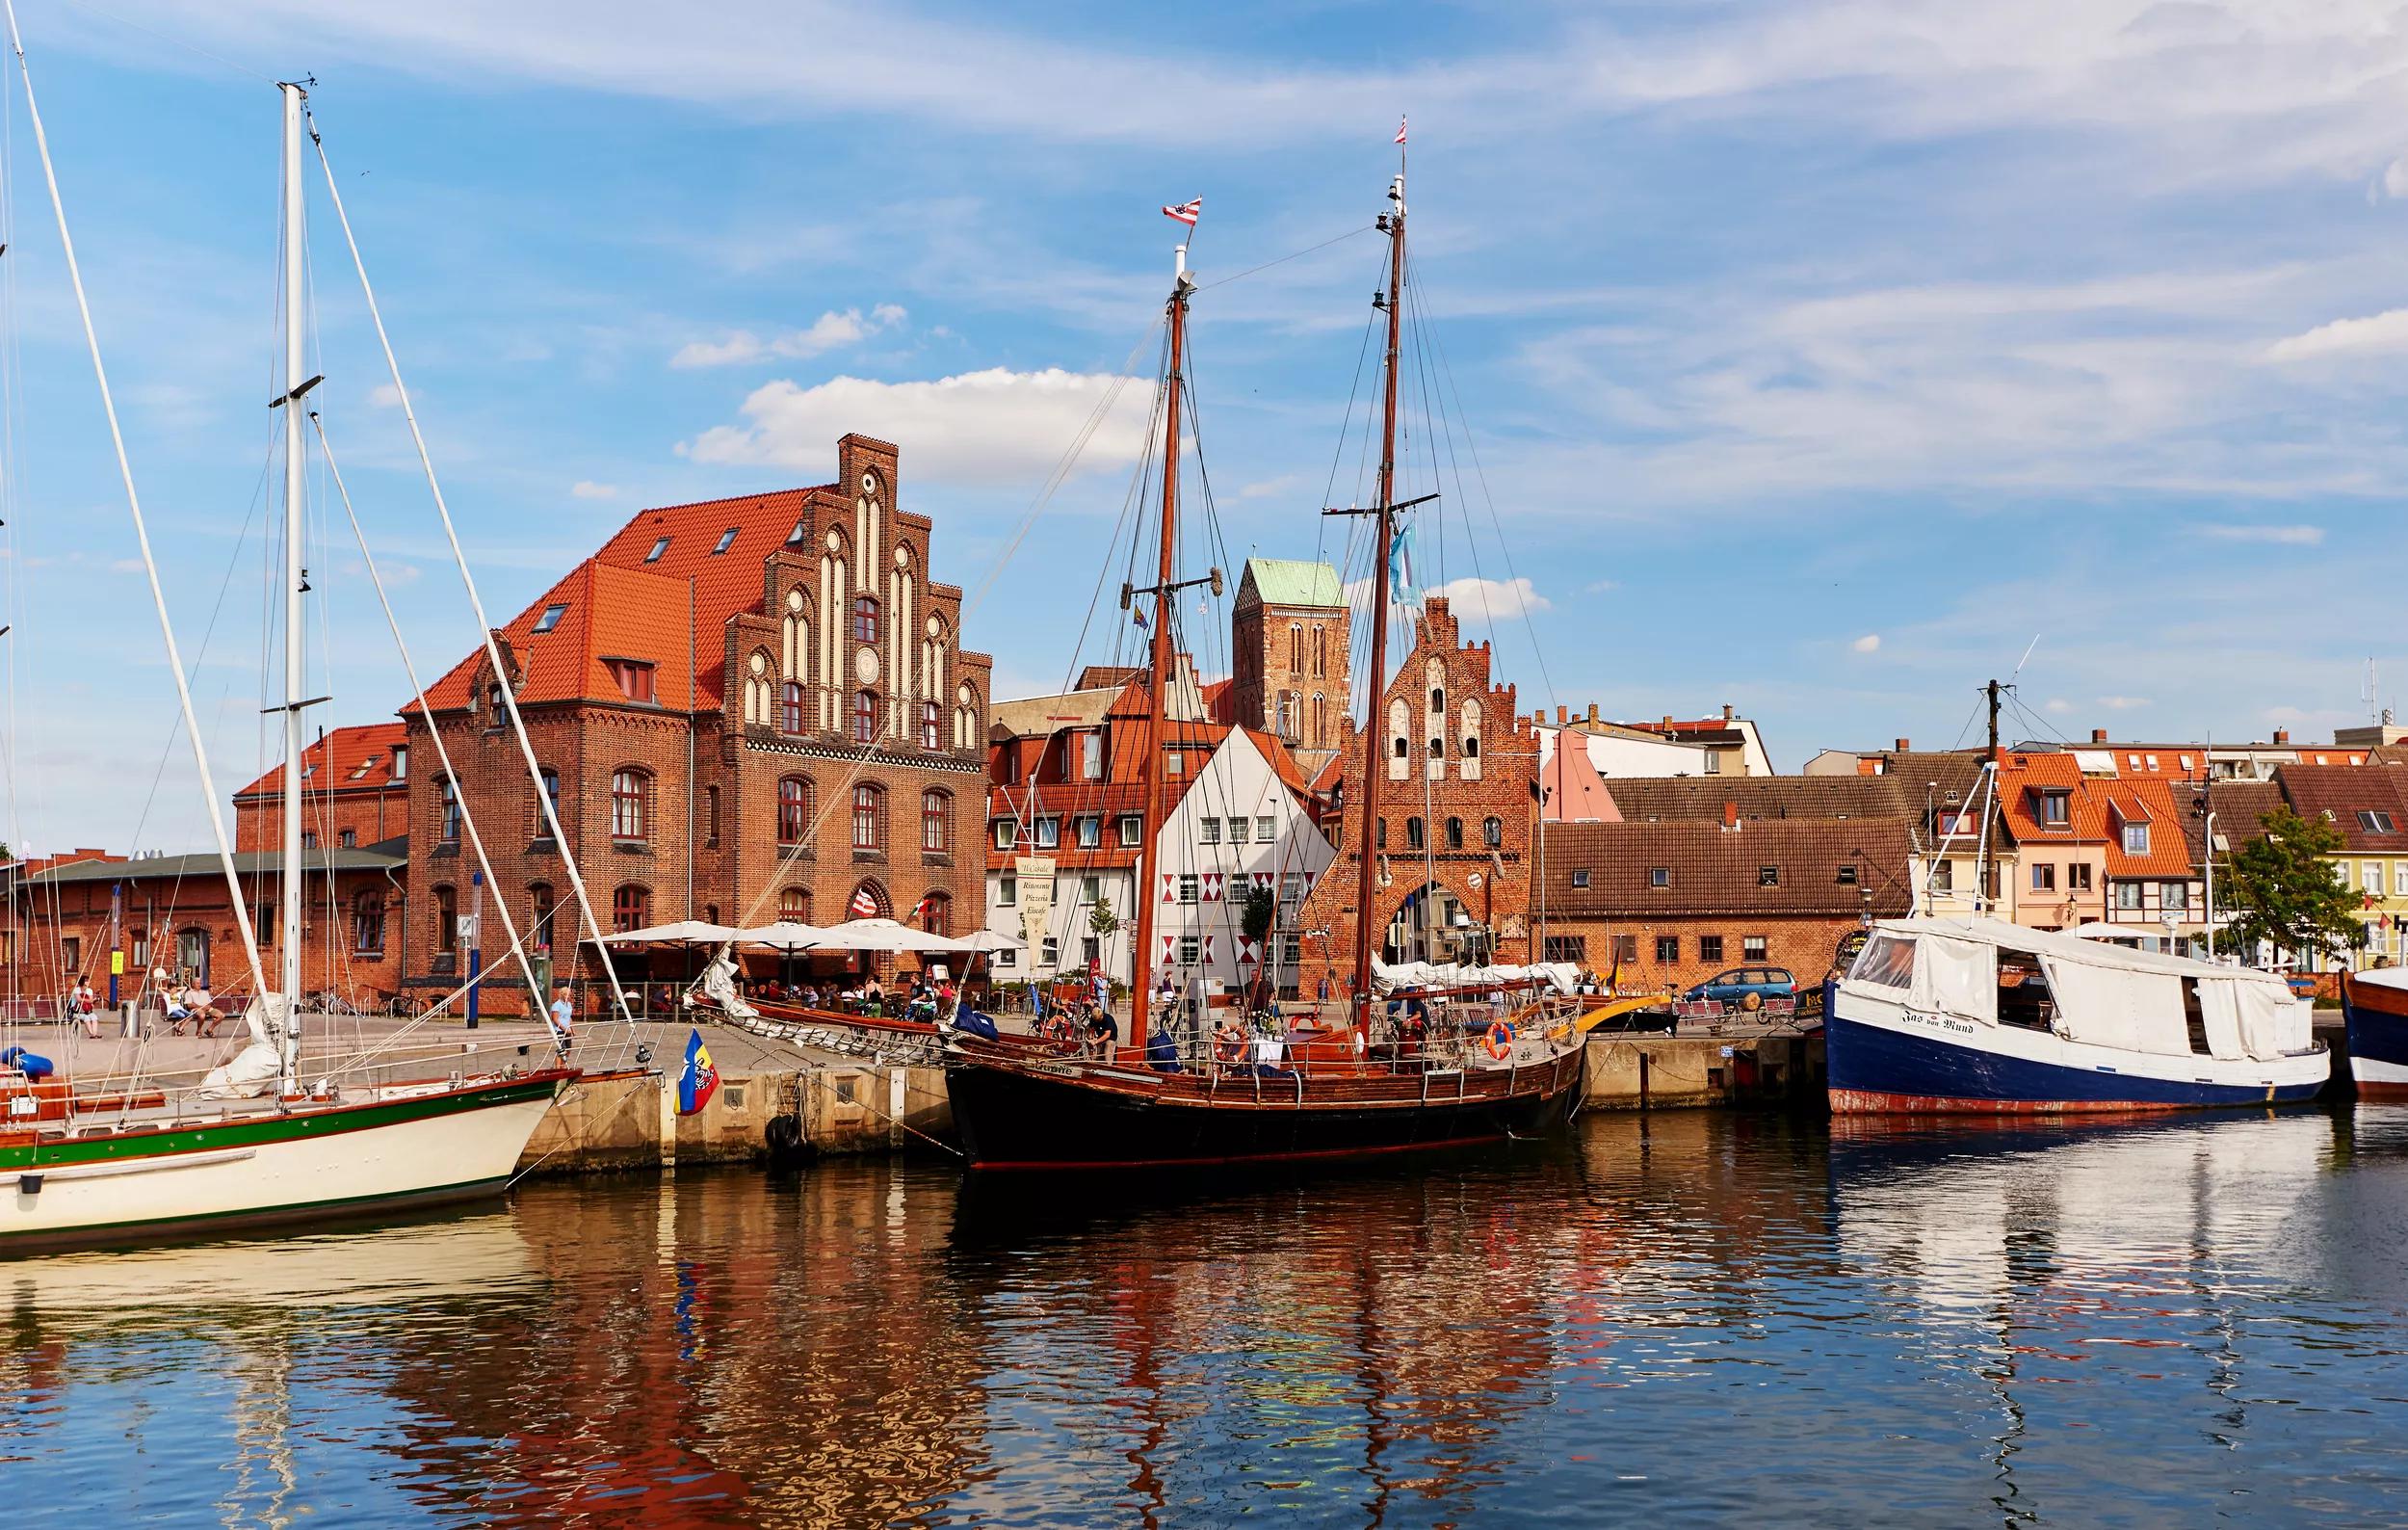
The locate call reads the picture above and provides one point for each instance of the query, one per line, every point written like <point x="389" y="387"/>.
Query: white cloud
<point x="2057" y="706"/>
<point x="384" y="396"/>
<point x="2385" y="334"/>
<point x="2284" y="535"/>
<point x="829" y="332"/>
<point x="1869" y="643"/>
<point x="2396" y="179"/>
<point x="587" y="488"/>
<point x="1270" y="488"/>
<point x="1601" y="586"/>
<point x="979" y="426"/>
<point x="2123" y="704"/>
<point x="1491" y="599"/>
<point x="126" y="565"/>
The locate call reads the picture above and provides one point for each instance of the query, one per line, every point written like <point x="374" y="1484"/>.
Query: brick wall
<point x="1490" y="779"/>
<point x="1802" y="943"/>
<point x="1295" y="651"/>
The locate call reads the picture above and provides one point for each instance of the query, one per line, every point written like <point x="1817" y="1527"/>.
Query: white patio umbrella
<point x="683" y="931"/>
<point x="786" y="935"/>
<point x="883" y="934"/>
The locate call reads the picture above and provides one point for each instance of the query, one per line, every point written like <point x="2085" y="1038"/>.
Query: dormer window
<point x="727" y="540"/>
<point x="657" y="549"/>
<point x="400" y="762"/>
<point x="794" y="538"/>
<point x="2135" y="839"/>
<point x="2056" y="808"/>
<point x="633" y="677"/>
<point x="551" y="617"/>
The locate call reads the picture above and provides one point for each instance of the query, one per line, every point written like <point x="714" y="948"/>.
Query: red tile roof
<point x="2022" y="779"/>
<point x="623" y="603"/>
<point x="2344" y="792"/>
<point x="348" y="759"/>
<point x="2151" y="801"/>
<point x="1606" y="871"/>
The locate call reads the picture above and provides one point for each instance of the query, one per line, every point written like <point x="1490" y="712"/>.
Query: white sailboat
<point x="255" y="1143"/>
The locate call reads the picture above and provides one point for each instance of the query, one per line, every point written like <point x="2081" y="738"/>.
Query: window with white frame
<point x="1006" y="833"/>
<point x="1190" y="888"/>
<point x="1209" y="830"/>
<point x="1049" y="950"/>
<point x="1130" y="830"/>
<point x="1007" y="891"/>
<point x="1090" y="832"/>
<point x="2400" y="879"/>
<point x="1188" y="950"/>
<point x="1236" y="831"/>
<point x="2135" y="839"/>
<point x="2127" y="896"/>
<point x="2174" y="897"/>
<point x="2371" y="878"/>
<point x="1048" y="832"/>
<point x="1264" y="830"/>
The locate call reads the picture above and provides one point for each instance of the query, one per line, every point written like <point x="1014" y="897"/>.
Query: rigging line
<point x="133" y="500"/>
<point x="442" y="754"/>
<point x="1479" y="473"/>
<point x="1140" y="477"/>
<point x="459" y="557"/>
<point x="1969" y="719"/>
<point x="1334" y="239"/>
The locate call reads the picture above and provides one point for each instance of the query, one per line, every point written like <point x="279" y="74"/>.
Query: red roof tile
<point x="348" y="759"/>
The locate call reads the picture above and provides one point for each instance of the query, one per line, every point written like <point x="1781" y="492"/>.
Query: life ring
<point x="1227" y="1043"/>
<point x="1500" y="1040"/>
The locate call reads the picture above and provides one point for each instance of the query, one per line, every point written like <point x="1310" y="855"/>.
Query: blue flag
<point x="699" y="1079"/>
<point x="1400" y="565"/>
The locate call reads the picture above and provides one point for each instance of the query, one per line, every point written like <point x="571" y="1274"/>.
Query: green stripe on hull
<point x="265" y="1130"/>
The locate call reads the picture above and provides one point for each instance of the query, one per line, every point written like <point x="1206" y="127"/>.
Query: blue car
<point x="1747" y="987"/>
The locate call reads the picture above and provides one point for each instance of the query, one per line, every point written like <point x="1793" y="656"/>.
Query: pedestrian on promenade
<point x="82" y="1003"/>
<point x="564" y="1016"/>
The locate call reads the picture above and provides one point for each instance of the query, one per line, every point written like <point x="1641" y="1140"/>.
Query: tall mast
<point x="295" y="382"/>
<point x="1158" y="702"/>
<point x="1385" y="515"/>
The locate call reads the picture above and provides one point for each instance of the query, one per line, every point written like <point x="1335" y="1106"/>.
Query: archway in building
<point x="1430" y="924"/>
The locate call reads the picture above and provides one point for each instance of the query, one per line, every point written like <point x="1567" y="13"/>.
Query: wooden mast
<point x="1159" y="669"/>
<point x="1374" y="732"/>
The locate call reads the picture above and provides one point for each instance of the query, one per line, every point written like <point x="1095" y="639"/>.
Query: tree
<point x="1102" y="920"/>
<point x="2284" y="890"/>
<point x="1254" y="921"/>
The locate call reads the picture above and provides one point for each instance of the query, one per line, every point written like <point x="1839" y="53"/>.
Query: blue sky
<point x="1818" y="356"/>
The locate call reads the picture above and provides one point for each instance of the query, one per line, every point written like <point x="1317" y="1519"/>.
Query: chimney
<point x="1563" y="714"/>
<point x="1726" y="711"/>
<point x="1903" y="745"/>
<point x="1592" y="711"/>
<point x="2098" y="735"/>
<point x="1730" y="814"/>
<point x="1667" y="721"/>
<point x="2282" y="735"/>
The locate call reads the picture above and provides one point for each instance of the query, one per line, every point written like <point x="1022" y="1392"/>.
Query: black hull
<point x="1013" y="1119"/>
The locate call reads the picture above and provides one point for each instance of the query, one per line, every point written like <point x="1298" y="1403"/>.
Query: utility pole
<point x="1993" y="688"/>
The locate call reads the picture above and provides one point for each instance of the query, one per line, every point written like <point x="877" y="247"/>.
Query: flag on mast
<point x="864" y="905"/>
<point x="1399" y="129"/>
<point x="699" y="1079"/>
<point x="1186" y="212"/>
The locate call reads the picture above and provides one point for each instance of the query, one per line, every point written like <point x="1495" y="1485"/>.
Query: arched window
<point x="1412" y="834"/>
<point x="937" y="818"/>
<point x="864" y="717"/>
<point x="790" y="711"/>
<point x="794" y="810"/>
<point x="1321" y="720"/>
<point x="930" y="729"/>
<point x="1471" y="741"/>
<point x="1492" y="832"/>
<point x="936" y="914"/>
<point x="446" y="921"/>
<point x="540" y="908"/>
<point x="1320" y="650"/>
<point x="1381" y="837"/>
<point x="631" y="909"/>
<point x="757" y="687"/>
<point x="865" y="618"/>
<point x="1398" y="748"/>
<point x="1437" y="748"/>
<point x="1296" y="648"/>
<point x="1404" y="750"/>
<point x="965" y="716"/>
<point x="794" y="904"/>
<point x="631" y="805"/>
<point x="447" y="796"/>
<point x="1437" y="698"/>
<point x="869" y="817"/>
<point x="1455" y="833"/>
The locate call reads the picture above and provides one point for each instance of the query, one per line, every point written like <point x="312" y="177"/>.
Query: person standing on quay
<point x="564" y="1019"/>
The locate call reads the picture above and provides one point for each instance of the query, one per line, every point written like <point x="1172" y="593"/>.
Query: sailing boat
<point x="1506" y="1074"/>
<point x="253" y="1143"/>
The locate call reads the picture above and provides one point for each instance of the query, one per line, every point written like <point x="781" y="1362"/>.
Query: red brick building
<point x="355" y="792"/>
<point x="1453" y="836"/>
<point x="1682" y="900"/>
<point x="742" y="709"/>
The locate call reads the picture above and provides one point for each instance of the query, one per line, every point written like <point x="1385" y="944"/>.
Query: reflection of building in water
<point x="778" y="1359"/>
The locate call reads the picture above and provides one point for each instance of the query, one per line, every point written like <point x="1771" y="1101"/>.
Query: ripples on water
<point x="1688" y="1318"/>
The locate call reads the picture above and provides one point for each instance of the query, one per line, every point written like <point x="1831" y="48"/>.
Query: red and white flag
<point x="863" y="905"/>
<point x="1186" y="212"/>
<point x="1399" y="129"/>
<point x="920" y="909"/>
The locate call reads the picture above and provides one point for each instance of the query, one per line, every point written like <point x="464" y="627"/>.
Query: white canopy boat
<point x="1977" y="1016"/>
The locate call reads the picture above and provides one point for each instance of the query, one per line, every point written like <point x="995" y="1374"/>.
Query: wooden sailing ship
<point x="1480" y="1070"/>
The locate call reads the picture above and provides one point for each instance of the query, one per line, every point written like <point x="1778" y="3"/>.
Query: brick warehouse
<point x="1460" y="765"/>
<point x="744" y="709"/>
<point x="1681" y="901"/>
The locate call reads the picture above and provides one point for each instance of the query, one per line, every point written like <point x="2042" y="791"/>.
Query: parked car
<point x="1745" y="987"/>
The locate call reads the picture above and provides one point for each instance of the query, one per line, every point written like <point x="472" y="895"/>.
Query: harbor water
<point x="1701" y="1318"/>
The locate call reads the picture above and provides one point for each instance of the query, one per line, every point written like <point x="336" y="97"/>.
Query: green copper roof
<point x="1293" y="582"/>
